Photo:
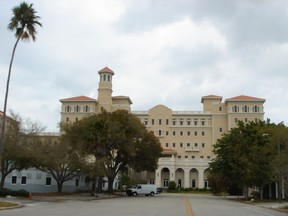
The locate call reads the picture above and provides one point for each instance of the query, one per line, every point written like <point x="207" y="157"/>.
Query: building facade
<point x="187" y="137"/>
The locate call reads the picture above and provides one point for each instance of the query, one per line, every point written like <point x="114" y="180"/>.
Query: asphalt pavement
<point x="88" y="197"/>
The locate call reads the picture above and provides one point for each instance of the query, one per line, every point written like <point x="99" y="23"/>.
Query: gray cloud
<point x="162" y="52"/>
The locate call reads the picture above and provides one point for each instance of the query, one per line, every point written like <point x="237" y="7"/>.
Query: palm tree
<point x="23" y="22"/>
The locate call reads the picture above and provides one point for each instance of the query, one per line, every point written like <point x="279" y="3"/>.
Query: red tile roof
<point x="106" y="69"/>
<point x="244" y="98"/>
<point x="78" y="98"/>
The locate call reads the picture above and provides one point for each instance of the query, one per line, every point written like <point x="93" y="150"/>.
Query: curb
<point x="18" y="205"/>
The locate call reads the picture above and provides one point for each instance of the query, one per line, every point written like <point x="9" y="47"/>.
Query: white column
<point x="158" y="177"/>
<point x="186" y="177"/>
<point x="201" y="178"/>
<point x="172" y="173"/>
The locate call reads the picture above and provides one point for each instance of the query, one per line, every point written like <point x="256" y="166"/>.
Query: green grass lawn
<point x="7" y="204"/>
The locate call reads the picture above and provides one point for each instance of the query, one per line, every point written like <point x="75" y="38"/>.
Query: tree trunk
<point x="99" y="184"/>
<point x="2" y="182"/>
<point x="59" y="186"/>
<point x="110" y="184"/>
<point x="2" y="138"/>
<point x="93" y="189"/>
<point x="3" y="173"/>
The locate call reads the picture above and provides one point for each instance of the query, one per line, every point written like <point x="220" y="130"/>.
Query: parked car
<point x="144" y="189"/>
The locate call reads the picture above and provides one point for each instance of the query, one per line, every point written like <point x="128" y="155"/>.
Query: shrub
<point x="18" y="193"/>
<point x="172" y="185"/>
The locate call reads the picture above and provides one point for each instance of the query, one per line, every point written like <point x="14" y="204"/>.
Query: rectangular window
<point x="167" y="144"/>
<point x="167" y="121"/>
<point x="86" y="108"/>
<point x="193" y="157"/>
<point x="48" y="180"/>
<point x="246" y="120"/>
<point x="236" y="120"/>
<point x="203" y="145"/>
<point x="181" y="133"/>
<point x="174" y="145"/>
<point x="203" y="133"/>
<point x="179" y="156"/>
<point x="14" y="180"/>
<point x="195" y="133"/>
<point x="181" y="145"/>
<point x="196" y="145"/>
<point x="174" y="122"/>
<point x="165" y="183"/>
<point x="186" y="156"/>
<point x="220" y="109"/>
<point x="152" y="122"/>
<point x="188" y="133"/>
<point x="203" y="122"/>
<point x="174" y="133"/>
<point x="220" y="129"/>
<point x="160" y="121"/>
<point x="23" y="180"/>
<point x="201" y="157"/>
<point x="167" y="133"/>
<point x="188" y="144"/>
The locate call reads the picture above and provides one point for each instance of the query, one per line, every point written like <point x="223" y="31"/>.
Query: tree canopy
<point x="246" y="156"/>
<point x="114" y="141"/>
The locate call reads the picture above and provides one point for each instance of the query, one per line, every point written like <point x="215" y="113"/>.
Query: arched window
<point x="86" y="108"/>
<point x="77" y="108"/>
<point x="245" y="108"/>
<point x="235" y="108"/>
<point x="255" y="108"/>
<point x="68" y="108"/>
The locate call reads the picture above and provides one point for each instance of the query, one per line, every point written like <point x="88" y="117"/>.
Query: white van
<point x="146" y="189"/>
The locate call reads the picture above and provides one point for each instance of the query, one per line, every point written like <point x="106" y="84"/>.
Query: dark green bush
<point x="18" y="193"/>
<point x="172" y="185"/>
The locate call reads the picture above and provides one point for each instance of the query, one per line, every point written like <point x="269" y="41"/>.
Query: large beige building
<point x="187" y="137"/>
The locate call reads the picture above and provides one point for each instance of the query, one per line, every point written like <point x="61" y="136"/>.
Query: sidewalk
<point x="270" y="205"/>
<point x="75" y="197"/>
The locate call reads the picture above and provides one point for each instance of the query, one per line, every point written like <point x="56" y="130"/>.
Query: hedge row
<point x="19" y="193"/>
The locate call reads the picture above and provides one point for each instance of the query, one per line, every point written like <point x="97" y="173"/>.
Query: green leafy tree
<point x="116" y="139"/>
<point x="23" y="22"/>
<point x="244" y="156"/>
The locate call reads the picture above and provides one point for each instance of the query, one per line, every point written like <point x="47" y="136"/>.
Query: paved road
<point x="159" y="205"/>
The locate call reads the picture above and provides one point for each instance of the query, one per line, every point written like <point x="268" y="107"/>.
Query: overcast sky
<point x="162" y="52"/>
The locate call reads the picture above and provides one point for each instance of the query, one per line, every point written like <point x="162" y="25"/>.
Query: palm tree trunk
<point x="2" y="140"/>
